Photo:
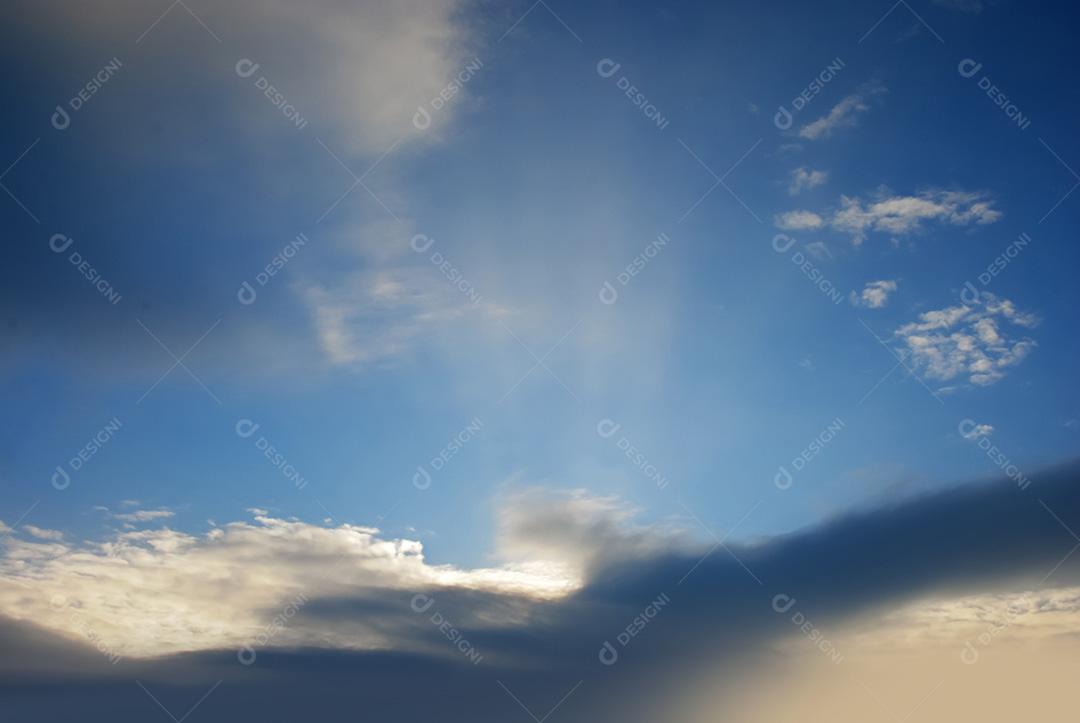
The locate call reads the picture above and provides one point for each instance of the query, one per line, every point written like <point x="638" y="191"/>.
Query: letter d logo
<point x="245" y="428"/>
<point x="968" y="68"/>
<point x="608" y="294"/>
<point x="783" y="479"/>
<point x="246" y="68"/>
<point x="608" y="654"/>
<point x="421" y="119"/>
<point x="60" y="479"/>
<point x="60" y="119"/>
<point x="607" y="68"/>
<point x="606" y="427"/>
<point x="782" y="603"/>
<point x="59" y="243"/>
<point x="421" y="480"/>
<point x="421" y="603"/>
<point x="246" y="294"/>
<point x="782" y="119"/>
<point x="969" y="294"/>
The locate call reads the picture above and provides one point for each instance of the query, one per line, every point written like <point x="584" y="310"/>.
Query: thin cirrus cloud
<point x="845" y="114"/>
<point x="972" y="342"/>
<point x="898" y="215"/>
<point x="875" y="294"/>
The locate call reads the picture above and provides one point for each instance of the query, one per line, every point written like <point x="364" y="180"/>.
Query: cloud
<point x="874" y="295"/>
<point x="798" y="220"/>
<point x="902" y="215"/>
<point x="977" y="431"/>
<point x="43" y="534"/>
<point x="803" y="179"/>
<point x="844" y="114"/>
<point x="362" y="68"/>
<point x="160" y="513"/>
<point x="968" y="340"/>
<point x="377" y="317"/>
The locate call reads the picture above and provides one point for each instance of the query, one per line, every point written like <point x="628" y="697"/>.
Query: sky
<point x="541" y="313"/>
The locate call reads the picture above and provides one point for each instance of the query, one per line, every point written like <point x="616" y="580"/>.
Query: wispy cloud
<point x="844" y="114"/>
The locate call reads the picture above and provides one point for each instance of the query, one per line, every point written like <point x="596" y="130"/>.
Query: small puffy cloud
<point x="136" y="515"/>
<point x="798" y="220"/>
<point x="971" y="341"/>
<point x="874" y="295"/>
<point x="803" y="179"/>
<point x="43" y="534"/>
<point x="901" y="215"/>
<point x="844" y="114"/>
<point x="975" y="431"/>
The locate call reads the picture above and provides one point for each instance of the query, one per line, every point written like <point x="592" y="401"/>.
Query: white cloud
<point x="43" y="534"/>
<point x="900" y="215"/>
<point x="376" y="317"/>
<point x="874" y="295"/>
<point x="803" y="179"/>
<point x="968" y="341"/>
<point x="798" y="220"/>
<point x="844" y="114"/>
<point x="150" y="592"/>
<point x="978" y="431"/>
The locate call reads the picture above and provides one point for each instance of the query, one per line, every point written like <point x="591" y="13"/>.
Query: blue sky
<point x="474" y="359"/>
<point x="539" y="181"/>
